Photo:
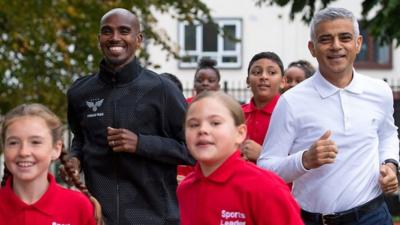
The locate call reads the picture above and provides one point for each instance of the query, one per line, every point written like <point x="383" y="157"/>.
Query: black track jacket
<point x="135" y="188"/>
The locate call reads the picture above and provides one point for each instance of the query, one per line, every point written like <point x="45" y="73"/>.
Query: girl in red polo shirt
<point x="31" y="138"/>
<point x="206" y="78"/>
<point x="225" y="189"/>
<point x="265" y="79"/>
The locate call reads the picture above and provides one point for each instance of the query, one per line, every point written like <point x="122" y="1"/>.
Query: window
<point x="373" y="55"/>
<point x="204" y="40"/>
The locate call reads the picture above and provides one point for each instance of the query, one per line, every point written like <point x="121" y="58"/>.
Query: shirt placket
<point x="344" y="98"/>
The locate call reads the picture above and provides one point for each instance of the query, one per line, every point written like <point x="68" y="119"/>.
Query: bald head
<point x="119" y="37"/>
<point x="123" y="13"/>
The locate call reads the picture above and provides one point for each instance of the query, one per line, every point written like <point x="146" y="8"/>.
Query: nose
<point x="205" y="83"/>
<point x="336" y="44"/>
<point x="115" y="36"/>
<point x="264" y="75"/>
<point x="24" y="150"/>
<point x="203" y="128"/>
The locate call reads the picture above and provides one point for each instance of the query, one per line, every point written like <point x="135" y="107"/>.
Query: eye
<point x="12" y="143"/>
<point x="192" y="124"/>
<point x="36" y="142"/>
<point x="106" y="31"/>
<point x="215" y="123"/>
<point x="324" y="39"/>
<point x="272" y="72"/>
<point x="125" y="30"/>
<point x="256" y="72"/>
<point x="346" y="38"/>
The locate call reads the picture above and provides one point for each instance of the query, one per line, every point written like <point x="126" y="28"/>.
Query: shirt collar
<point x="45" y="204"/>
<point x="326" y="89"/>
<point x="126" y="74"/>
<point x="222" y="173"/>
<point x="268" y="108"/>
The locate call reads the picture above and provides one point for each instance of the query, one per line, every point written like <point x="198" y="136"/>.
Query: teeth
<point x="116" y="49"/>
<point x="25" y="164"/>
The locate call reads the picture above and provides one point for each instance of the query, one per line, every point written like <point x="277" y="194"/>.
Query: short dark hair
<point x="266" y="55"/>
<point x="304" y="65"/>
<point x="207" y="63"/>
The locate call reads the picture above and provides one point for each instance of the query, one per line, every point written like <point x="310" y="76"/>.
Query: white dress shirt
<point x="360" y="117"/>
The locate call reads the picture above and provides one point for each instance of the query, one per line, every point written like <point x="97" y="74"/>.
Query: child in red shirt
<point x="265" y="78"/>
<point x="206" y="78"/>
<point x="225" y="189"/>
<point x="31" y="137"/>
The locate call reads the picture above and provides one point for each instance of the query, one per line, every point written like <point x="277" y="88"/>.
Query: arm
<point x="388" y="148"/>
<point x="167" y="145"/>
<point x="77" y="140"/>
<point x="276" y="152"/>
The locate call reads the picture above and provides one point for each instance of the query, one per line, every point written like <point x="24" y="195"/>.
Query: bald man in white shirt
<point x="333" y="135"/>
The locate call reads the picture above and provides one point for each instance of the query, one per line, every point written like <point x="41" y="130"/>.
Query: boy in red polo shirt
<point x="225" y="189"/>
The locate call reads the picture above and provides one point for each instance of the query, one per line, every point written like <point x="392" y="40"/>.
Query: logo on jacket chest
<point x="232" y="218"/>
<point x="94" y="105"/>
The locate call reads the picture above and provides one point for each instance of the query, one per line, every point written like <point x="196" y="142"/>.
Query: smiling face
<point x="264" y="79"/>
<point x="119" y="37"/>
<point x="335" y="47"/>
<point x="29" y="149"/>
<point x="211" y="133"/>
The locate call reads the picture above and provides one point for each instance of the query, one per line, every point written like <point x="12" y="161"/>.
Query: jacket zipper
<point x="115" y="156"/>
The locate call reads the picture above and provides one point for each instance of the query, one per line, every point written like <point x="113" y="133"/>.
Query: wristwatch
<point x="394" y="162"/>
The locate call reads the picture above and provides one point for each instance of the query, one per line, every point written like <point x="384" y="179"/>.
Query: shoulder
<point x="189" y="180"/>
<point x="74" y="199"/>
<point x="251" y="178"/>
<point x="81" y="82"/>
<point x="373" y="83"/>
<point x="246" y="107"/>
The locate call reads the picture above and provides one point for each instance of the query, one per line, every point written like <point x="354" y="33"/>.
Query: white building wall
<point x="264" y="29"/>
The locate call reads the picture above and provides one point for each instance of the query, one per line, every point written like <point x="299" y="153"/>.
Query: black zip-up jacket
<point x="137" y="188"/>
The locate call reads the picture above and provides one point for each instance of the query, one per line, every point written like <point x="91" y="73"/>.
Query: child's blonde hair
<point x="228" y="101"/>
<point x="37" y="110"/>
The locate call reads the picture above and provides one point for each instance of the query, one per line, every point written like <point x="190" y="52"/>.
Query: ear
<point x="283" y="82"/>
<point x="139" y="39"/>
<point x="359" y="41"/>
<point x="56" y="150"/>
<point x="242" y="134"/>
<point x="247" y="81"/>
<point x="311" y="47"/>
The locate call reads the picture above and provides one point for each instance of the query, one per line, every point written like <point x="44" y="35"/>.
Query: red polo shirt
<point x="58" y="206"/>
<point x="257" y="120"/>
<point x="238" y="192"/>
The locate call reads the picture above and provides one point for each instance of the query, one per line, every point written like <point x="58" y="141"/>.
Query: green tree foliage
<point x="46" y="44"/>
<point x="379" y="17"/>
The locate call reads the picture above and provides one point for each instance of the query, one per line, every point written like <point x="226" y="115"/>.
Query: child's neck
<point x="209" y="169"/>
<point x="261" y="102"/>
<point x="30" y="192"/>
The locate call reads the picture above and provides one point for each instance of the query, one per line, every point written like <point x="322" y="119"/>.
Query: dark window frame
<point x="370" y="62"/>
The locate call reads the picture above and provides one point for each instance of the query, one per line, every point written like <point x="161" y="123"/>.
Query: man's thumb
<point x="326" y="135"/>
<point x="383" y="171"/>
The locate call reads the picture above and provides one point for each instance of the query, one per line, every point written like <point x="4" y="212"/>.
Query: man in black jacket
<point x="128" y="135"/>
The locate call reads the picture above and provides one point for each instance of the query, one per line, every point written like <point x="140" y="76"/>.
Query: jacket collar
<point x="126" y="74"/>
<point x="326" y="89"/>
